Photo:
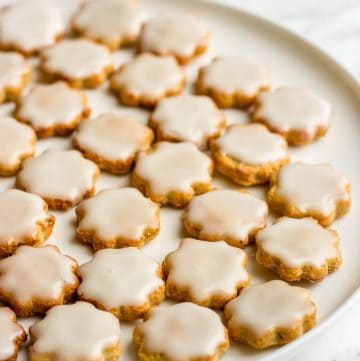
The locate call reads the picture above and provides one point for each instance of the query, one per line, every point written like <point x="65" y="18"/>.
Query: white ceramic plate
<point x="293" y="62"/>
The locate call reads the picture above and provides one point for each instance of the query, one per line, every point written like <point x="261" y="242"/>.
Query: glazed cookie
<point x="233" y="81"/>
<point x="113" y="23"/>
<point x="77" y="332"/>
<point x="296" y="113"/>
<point x="181" y="332"/>
<point x="29" y="27"/>
<point x="270" y="314"/>
<point x="12" y="335"/>
<point x="116" y="218"/>
<point x="17" y="143"/>
<point x="124" y="282"/>
<point x="53" y="109"/>
<point x="182" y="35"/>
<point x="298" y="249"/>
<point x="187" y="118"/>
<point x="225" y="215"/>
<point x="81" y="62"/>
<point x="173" y="173"/>
<point x="51" y="175"/>
<point x="220" y="272"/>
<point x="310" y="190"/>
<point x="147" y="79"/>
<point x="33" y="280"/>
<point x="23" y="220"/>
<point x="113" y="141"/>
<point x="249" y="154"/>
<point x="15" y="74"/>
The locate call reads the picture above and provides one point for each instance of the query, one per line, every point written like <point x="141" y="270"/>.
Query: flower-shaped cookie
<point x="17" y="142"/>
<point x="249" y="154"/>
<point x="298" y="249"/>
<point x="81" y="62"/>
<point x="233" y="81"/>
<point x="314" y="190"/>
<point x="181" y="332"/>
<point x="23" y="220"/>
<point x="207" y="273"/>
<point x="298" y="114"/>
<point x="113" y="141"/>
<point x="124" y="282"/>
<point x="182" y="35"/>
<point x="33" y="280"/>
<point x="225" y="215"/>
<point x="269" y="314"/>
<point x="173" y="173"/>
<point x="76" y="332"/>
<point x="53" y="109"/>
<point x="113" y="23"/>
<point x="116" y="218"/>
<point x="189" y="118"/>
<point x="62" y="177"/>
<point x="147" y="79"/>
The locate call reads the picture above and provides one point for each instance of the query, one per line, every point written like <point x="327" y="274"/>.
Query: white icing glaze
<point x="40" y="273"/>
<point x="252" y="144"/>
<point x="289" y="109"/>
<point x="16" y="140"/>
<point x="149" y="75"/>
<point x="183" y="331"/>
<point x="188" y="117"/>
<point x="113" y="137"/>
<point x="270" y="305"/>
<point x="227" y="213"/>
<point x="312" y="187"/>
<point x="299" y="242"/>
<point x="119" y="277"/>
<point x="76" y="332"/>
<point x="174" y="166"/>
<point x="61" y="174"/>
<point x="178" y="34"/>
<point x="114" y="213"/>
<point x="207" y="268"/>
<point x="77" y="58"/>
<point x="30" y="26"/>
<point x="12" y="68"/>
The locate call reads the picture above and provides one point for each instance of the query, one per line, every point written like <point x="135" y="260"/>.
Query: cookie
<point x="296" y="113"/>
<point x="226" y="215"/>
<point x="15" y="74"/>
<point x="77" y="332"/>
<point x="33" y="280"/>
<point x="173" y="173"/>
<point x="29" y="27"/>
<point x="51" y="175"/>
<point x="53" y="109"/>
<point x="181" y="332"/>
<point x="80" y="62"/>
<point x="233" y="81"/>
<point x="124" y="282"/>
<point x="116" y="218"/>
<point x="207" y="273"/>
<point x="113" y="23"/>
<point x="17" y="143"/>
<point x="23" y="220"/>
<point x="12" y="335"/>
<point x="113" y="141"/>
<point x="148" y="78"/>
<point x="270" y="314"/>
<point x="298" y="249"/>
<point x="187" y="118"/>
<point x="310" y="190"/>
<point x="183" y="36"/>
<point x="249" y="154"/>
